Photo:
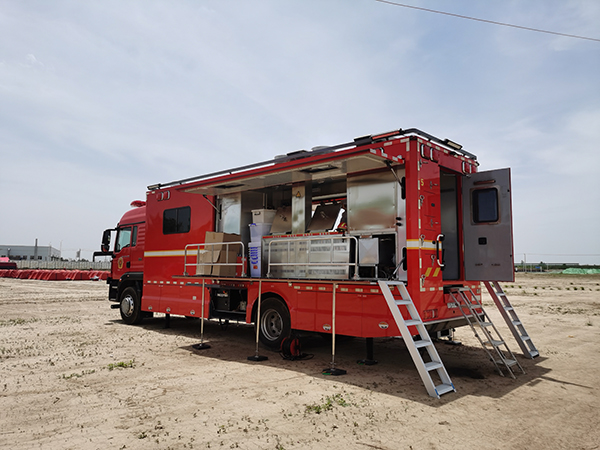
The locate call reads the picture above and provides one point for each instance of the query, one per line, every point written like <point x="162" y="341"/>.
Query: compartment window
<point x="485" y="205"/>
<point x="176" y="220"/>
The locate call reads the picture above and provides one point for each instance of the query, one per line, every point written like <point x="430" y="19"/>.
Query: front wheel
<point x="131" y="306"/>
<point x="275" y="324"/>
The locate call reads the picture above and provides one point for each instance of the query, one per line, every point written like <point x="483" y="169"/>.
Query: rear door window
<point x="485" y="205"/>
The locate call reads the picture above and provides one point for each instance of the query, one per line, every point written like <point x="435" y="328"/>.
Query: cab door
<point x="126" y="238"/>
<point x="487" y="226"/>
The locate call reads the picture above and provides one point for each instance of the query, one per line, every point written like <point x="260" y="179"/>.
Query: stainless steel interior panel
<point x="282" y="223"/>
<point x="372" y="202"/>
<point x="368" y="251"/>
<point x="236" y="213"/>
<point x="231" y="213"/>
<point x="324" y="218"/>
<point x="309" y="172"/>
<point x="301" y="207"/>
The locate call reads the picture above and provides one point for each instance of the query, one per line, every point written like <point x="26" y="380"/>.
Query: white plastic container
<point x="263" y="215"/>
<point x="258" y="230"/>
<point x="255" y="259"/>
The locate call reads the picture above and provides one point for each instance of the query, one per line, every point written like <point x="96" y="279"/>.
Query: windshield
<point x="123" y="239"/>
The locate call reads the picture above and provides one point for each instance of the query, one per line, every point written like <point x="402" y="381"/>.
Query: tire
<point x="130" y="306"/>
<point x="274" y="324"/>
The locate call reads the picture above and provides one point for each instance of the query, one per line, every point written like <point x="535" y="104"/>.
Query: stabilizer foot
<point x="200" y="346"/>
<point x="367" y="362"/>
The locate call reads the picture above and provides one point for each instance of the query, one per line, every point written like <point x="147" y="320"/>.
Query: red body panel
<point x="164" y="254"/>
<point x="361" y="309"/>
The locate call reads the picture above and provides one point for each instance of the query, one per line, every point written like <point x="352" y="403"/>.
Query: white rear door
<point x="487" y="226"/>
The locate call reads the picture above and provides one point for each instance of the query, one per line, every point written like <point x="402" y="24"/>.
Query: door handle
<point x="438" y="242"/>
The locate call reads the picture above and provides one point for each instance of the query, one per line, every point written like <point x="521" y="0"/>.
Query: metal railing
<point x="311" y="253"/>
<point x="203" y="258"/>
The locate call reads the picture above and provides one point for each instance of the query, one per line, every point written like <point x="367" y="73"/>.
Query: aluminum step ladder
<point x="512" y="320"/>
<point x="492" y="342"/>
<point x="432" y="362"/>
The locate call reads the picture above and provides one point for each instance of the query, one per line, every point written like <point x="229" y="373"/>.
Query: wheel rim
<point x="271" y="325"/>
<point x="127" y="305"/>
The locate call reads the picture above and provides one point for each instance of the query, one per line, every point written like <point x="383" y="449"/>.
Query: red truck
<point x="386" y="235"/>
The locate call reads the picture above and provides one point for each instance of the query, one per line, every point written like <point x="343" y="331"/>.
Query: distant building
<point x="29" y="252"/>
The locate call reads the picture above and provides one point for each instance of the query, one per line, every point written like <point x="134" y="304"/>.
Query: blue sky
<point x="98" y="100"/>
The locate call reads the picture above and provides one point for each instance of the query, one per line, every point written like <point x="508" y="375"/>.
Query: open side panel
<point x="487" y="226"/>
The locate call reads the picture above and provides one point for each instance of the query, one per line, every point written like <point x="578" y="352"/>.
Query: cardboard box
<point x="223" y="254"/>
<point x="203" y="262"/>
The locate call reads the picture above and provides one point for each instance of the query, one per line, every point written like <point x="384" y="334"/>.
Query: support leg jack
<point x="369" y="361"/>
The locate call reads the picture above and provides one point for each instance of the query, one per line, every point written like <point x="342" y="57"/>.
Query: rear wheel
<point x="130" y="306"/>
<point x="275" y="324"/>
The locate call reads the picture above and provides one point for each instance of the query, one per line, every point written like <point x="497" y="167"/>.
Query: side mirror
<point x="105" y="241"/>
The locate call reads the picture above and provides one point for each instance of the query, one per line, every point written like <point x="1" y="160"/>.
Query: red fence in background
<point x="59" y="275"/>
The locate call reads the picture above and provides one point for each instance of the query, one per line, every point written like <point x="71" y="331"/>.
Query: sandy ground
<point x="73" y="376"/>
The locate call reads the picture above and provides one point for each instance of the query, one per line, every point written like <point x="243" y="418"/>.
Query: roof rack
<point x="299" y="154"/>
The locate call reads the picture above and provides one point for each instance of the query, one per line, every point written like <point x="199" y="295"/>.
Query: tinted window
<point x="176" y="220"/>
<point x="485" y="205"/>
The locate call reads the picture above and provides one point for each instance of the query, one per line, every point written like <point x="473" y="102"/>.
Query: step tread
<point x="402" y="302"/>
<point x="442" y="389"/>
<point x="413" y="322"/>
<point x="423" y="343"/>
<point x="433" y="365"/>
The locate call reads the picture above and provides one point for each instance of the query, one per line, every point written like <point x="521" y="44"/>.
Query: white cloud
<point x="120" y="95"/>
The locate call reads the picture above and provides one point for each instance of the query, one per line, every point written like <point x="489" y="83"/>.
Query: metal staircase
<point x="496" y="348"/>
<point x="419" y="348"/>
<point x="512" y="320"/>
